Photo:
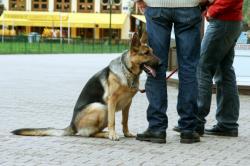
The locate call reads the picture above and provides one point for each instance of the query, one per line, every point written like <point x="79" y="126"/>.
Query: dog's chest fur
<point x="126" y="78"/>
<point x="124" y="96"/>
<point x="122" y="85"/>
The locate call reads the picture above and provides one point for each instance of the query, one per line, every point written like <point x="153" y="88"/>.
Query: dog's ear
<point x="144" y="38"/>
<point x="135" y="42"/>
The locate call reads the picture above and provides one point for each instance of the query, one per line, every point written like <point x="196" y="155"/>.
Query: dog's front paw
<point x="128" y="134"/>
<point x="113" y="136"/>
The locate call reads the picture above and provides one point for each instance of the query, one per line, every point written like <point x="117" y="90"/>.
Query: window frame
<point x="63" y="3"/>
<point x="40" y="3"/>
<point x="116" y="7"/>
<point x="18" y="2"/>
<point x="85" y="3"/>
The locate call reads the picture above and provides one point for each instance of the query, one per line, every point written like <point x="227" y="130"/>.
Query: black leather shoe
<point x="152" y="136"/>
<point x="189" y="137"/>
<point x="177" y="129"/>
<point x="199" y="129"/>
<point x="216" y="130"/>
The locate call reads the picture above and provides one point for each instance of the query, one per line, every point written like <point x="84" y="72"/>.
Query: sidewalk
<point x="41" y="90"/>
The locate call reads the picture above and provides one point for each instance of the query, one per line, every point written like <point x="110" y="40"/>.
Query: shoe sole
<point x="178" y="131"/>
<point x="222" y="134"/>
<point x="153" y="140"/>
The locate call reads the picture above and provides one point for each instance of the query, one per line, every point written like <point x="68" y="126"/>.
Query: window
<point x="242" y="49"/>
<point x="17" y="5"/>
<point x="63" y="5"/>
<point x="85" y="6"/>
<point x="37" y="29"/>
<point x="105" y="34"/>
<point x="116" y="6"/>
<point x="39" y="5"/>
<point x="85" y="33"/>
<point x="44" y="6"/>
<point x="245" y="34"/>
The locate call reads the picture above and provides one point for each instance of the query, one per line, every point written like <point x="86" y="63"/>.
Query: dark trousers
<point x="186" y="22"/>
<point x="216" y="61"/>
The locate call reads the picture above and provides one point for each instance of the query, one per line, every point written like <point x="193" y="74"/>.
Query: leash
<point x="143" y="90"/>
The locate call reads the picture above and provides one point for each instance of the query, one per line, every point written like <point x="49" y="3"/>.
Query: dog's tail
<point x="44" y="132"/>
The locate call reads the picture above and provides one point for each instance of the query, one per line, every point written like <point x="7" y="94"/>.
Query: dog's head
<point x="142" y="55"/>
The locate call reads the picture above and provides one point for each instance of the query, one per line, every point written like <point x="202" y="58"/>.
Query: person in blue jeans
<point x="185" y="17"/>
<point x="217" y="56"/>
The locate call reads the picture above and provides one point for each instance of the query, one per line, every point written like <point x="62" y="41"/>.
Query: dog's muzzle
<point x="150" y="68"/>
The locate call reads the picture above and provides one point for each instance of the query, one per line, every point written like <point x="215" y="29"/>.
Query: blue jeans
<point x="217" y="56"/>
<point x="186" y="22"/>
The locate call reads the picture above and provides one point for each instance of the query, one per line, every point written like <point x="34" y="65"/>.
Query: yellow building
<point x="74" y="18"/>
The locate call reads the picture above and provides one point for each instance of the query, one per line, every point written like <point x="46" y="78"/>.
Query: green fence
<point x="33" y="45"/>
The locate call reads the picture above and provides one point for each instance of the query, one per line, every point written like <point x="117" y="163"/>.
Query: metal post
<point x="3" y="29"/>
<point x="61" y="27"/>
<point x="110" y="21"/>
<point x="68" y="31"/>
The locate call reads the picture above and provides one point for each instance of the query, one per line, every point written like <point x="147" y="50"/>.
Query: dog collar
<point x="126" y="67"/>
<point x="130" y="76"/>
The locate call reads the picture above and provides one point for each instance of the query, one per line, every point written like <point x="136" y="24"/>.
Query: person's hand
<point x="203" y="5"/>
<point x="208" y="16"/>
<point x="141" y="5"/>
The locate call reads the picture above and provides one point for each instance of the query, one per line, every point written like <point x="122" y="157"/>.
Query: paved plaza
<point x="41" y="90"/>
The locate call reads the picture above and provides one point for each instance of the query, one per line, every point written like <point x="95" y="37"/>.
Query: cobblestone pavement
<point x="41" y="90"/>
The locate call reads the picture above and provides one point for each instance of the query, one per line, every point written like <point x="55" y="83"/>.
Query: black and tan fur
<point x="107" y="92"/>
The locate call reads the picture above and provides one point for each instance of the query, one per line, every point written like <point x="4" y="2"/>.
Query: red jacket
<point x="228" y="10"/>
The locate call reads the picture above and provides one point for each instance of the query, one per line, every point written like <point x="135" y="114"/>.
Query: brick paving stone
<point x="41" y="90"/>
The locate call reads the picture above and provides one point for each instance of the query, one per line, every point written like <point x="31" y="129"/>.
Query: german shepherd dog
<point x="107" y="92"/>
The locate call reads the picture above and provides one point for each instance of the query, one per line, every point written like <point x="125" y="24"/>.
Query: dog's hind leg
<point x="102" y="134"/>
<point x="92" y="120"/>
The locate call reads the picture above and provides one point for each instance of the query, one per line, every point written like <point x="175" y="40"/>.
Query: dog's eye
<point x="145" y="52"/>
